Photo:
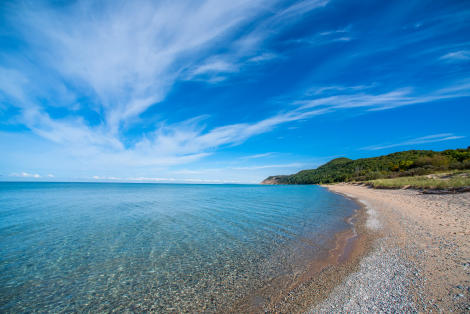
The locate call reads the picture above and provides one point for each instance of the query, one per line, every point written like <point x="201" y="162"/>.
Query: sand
<point x="420" y="260"/>
<point x="295" y="293"/>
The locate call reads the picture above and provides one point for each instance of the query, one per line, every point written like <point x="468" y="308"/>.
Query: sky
<point x="214" y="91"/>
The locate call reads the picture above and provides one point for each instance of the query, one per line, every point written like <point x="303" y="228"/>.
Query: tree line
<point x="406" y="163"/>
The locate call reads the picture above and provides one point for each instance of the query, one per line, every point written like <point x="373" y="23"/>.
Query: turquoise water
<point x="160" y="247"/>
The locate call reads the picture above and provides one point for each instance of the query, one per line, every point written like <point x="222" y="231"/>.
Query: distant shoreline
<point x="419" y="263"/>
<point x="412" y="163"/>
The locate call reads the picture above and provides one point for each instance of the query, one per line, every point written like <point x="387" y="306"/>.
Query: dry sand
<point x="420" y="261"/>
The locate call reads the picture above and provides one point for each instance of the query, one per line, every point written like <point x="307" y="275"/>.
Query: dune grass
<point x="443" y="181"/>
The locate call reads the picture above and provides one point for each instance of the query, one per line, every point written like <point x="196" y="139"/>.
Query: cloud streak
<point x="381" y="101"/>
<point x="124" y="57"/>
<point x="256" y="156"/>
<point x="163" y="180"/>
<point x="457" y="56"/>
<point x="100" y="67"/>
<point x="26" y="175"/>
<point x="416" y="141"/>
<point x="291" y="165"/>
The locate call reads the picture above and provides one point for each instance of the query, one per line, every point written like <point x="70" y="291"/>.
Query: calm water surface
<point x="96" y="247"/>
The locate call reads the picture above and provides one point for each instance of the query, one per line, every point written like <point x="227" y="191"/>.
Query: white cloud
<point x="291" y="165"/>
<point x="297" y="9"/>
<point x="327" y="37"/>
<point x="189" y="141"/>
<point x="125" y="56"/>
<point x="337" y="89"/>
<point x="162" y="180"/>
<point x="257" y="156"/>
<point x="382" y="101"/>
<point x="461" y="55"/>
<point x="215" y="66"/>
<point x="249" y="49"/>
<point x="130" y="53"/>
<point x="189" y="171"/>
<point x="263" y="57"/>
<point x="420" y="140"/>
<point x="336" y="31"/>
<point x="26" y="175"/>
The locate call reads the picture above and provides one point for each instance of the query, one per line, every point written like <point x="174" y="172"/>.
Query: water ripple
<point x="154" y="247"/>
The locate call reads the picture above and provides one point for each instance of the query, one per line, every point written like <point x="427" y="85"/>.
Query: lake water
<point x="156" y="247"/>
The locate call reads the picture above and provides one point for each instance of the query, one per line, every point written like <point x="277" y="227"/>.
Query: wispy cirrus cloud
<point x="290" y="165"/>
<point x="124" y="57"/>
<point x="457" y="56"/>
<point x="442" y="137"/>
<point x="249" y="49"/>
<point x="256" y="156"/>
<point x="327" y="37"/>
<point x="128" y="55"/>
<point x="189" y="140"/>
<point x="380" y="101"/>
<point x="337" y="89"/>
<point x="343" y="30"/>
<point x="100" y="67"/>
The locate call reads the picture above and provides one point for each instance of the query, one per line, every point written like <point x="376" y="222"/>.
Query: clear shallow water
<point x="97" y="247"/>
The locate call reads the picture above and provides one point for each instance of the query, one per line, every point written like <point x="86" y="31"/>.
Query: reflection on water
<point x="96" y="247"/>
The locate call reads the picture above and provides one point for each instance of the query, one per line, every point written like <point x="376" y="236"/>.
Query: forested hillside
<point x="406" y="163"/>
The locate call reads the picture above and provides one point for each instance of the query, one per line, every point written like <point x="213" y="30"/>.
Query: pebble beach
<point x="419" y="260"/>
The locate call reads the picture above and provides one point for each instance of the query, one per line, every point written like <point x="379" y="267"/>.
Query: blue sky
<point x="225" y="91"/>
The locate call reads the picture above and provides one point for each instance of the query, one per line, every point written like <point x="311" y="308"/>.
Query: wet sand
<point x="420" y="262"/>
<point x="295" y="293"/>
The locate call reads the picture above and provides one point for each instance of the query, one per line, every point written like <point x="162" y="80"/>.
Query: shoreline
<point x="321" y="276"/>
<point x="419" y="263"/>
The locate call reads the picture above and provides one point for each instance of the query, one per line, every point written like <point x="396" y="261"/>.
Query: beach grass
<point x="440" y="181"/>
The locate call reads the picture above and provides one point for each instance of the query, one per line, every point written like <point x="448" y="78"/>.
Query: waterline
<point x="161" y="247"/>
